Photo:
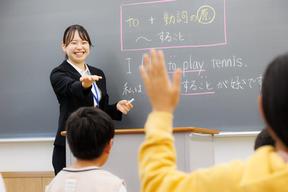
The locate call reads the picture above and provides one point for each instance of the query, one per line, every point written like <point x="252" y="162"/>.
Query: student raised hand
<point x="88" y="80"/>
<point x="163" y="94"/>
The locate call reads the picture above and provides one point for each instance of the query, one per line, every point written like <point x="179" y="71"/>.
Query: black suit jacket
<point x="71" y="95"/>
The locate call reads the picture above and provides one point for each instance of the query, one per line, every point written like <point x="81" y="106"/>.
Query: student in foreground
<point x="89" y="134"/>
<point x="265" y="171"/>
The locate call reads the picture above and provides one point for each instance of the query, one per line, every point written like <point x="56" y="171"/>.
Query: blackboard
<point x="222" y="47"/>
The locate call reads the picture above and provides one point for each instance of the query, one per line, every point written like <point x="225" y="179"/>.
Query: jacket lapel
<point x="74" y="73"/>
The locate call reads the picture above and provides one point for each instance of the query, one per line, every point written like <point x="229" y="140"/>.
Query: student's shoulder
<point x="56" y="182"/>
<point x="106" y="173"/>
<point x="111" y="177"/>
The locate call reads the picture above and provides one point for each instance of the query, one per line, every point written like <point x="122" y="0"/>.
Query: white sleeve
<point x="122" y="188"/>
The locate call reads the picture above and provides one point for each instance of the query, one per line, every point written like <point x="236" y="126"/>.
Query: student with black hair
<point x="263" y="138"/>
<point x="265" y="171"/>
<point x="76" y="85"/>
<point x="89" y="134"/>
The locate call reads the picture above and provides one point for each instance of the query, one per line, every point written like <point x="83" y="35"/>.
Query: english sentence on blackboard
<point x="197" y="81"/>
<point x="195" y="65"/>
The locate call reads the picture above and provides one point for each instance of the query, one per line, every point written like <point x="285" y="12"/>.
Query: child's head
<point x="274" y="97"/>
<point x="76" y="43"/>
<point x="89" y="131"/>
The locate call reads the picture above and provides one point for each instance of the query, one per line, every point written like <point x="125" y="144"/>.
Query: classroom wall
<point x="35" y="154"/>
<point x="237" y="145"/>
<point x="26" y="154"/>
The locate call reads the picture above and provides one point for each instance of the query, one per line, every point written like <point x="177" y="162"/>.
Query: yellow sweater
<point x="264" y="171"/>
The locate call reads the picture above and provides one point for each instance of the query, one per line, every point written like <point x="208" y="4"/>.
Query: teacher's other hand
<point x="124" y="106"/>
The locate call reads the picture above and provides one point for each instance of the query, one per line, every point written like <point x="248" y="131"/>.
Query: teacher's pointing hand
<point x="87" y="80"/>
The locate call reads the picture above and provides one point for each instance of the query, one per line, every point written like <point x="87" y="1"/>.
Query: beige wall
<point x="26" y="181"/>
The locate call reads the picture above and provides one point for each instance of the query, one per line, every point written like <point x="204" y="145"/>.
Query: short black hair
<point x="89" y="130"/>
<point x="275" y="95"/>
<point x="263" y="138"/>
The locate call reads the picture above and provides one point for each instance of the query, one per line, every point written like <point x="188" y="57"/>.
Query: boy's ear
<point x="108" y="147"/>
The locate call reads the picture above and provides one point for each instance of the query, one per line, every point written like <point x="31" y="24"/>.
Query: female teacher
<point x="77" y="84"/>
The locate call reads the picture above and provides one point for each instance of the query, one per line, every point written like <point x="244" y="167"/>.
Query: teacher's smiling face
<point x="77" y="49"/>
